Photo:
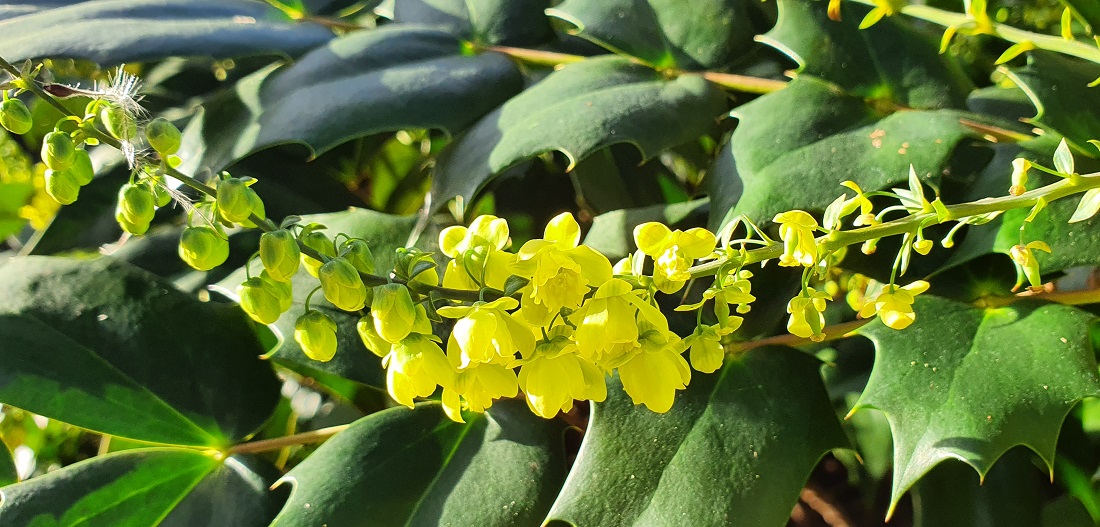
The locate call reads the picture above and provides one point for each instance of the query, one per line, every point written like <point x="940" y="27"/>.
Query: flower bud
<point x="203" y="247"/>
<point x="280" y="255"/>
<point x="163" y="197"/>
<point x="318" y="242"/>
<point x="262" y="300"/>
<point x="82" y="167"/>
<point x="163" y="136"/>
<point x="393" y="311"/>
<point x="370" y="337"/>
<point x="136" y="229"/>
<point x="316" y="334"/>
<point x="118" y="123"/>
<point x="136" y="203"/>
<point x="342" y="286"/>
<point x="359" y="255"/>
<point x="235" y="200"/>
<point x="62" y="186"/>
<point x="284" y="290"/>
<point x="15" y="117"/>
<point x="58" y="150"/>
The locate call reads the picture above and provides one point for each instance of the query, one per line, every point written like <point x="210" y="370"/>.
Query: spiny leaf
<point x="971" y="383"/>
<point x="577" y="110"/>
<point x="108" y="347"/>
<point x="393" y="78"/>
<point x="736" y="449"/>
<point x="416" y="467"/>
<point x="487" y="22"/>
<point x="119" y="31"/>
<point x="1058" y="86"/>
<point x="708" y="34"/>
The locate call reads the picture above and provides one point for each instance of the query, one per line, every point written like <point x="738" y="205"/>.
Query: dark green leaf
<point x="105" y="346"/>
<point x="416" y="467"/>
<point x="487" y="22"/>
<point x="736" y="449"/>
<point x="697" y="35"/>
<point x="613" y="233"/>
<point x="891" y="62"/>
<point x="778" y="148"/>
<point x="388" y="79"/>
<point x="951" y="495"/>
<point x="944" y="382"/>
<point x="384" y="233"/>
<point x="120" y="31"/>
<point x="1058" y="87"/>
<point x="8" y="473"/>
<point x="577" y="110"/>
<point x="140" y="488"/>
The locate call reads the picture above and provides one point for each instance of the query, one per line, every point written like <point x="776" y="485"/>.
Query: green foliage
<point x="426" y="141"/>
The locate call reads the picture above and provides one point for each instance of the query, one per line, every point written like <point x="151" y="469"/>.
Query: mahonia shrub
<point x="431" y="262"/>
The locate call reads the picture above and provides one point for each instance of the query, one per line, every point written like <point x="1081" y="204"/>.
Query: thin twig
<point x="267" y="445"/>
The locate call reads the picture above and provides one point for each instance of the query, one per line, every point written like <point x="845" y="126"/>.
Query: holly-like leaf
<point x="105" y="346"/>
<point x="416" y="467"/>
<point x="776" y="151"/>
<point x="577" y="110"/>
<point x="487" y="22"/>
<point x="872" y="102"/>
<point x="119" y="31"/>
<point x="384" y="233"/>
<point x="707" y="34"/>
<point x="388" y="79"/>
<point x="170" y="487"/>
<point x="1058" y="86"/>
<point x="951" y="495"/>
<point x="970" y="383"/>
<point x="736" y="449"/>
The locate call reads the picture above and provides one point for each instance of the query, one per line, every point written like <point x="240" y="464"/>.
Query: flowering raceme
<point x="796" y="229"/>
<point x="673" y="252"/>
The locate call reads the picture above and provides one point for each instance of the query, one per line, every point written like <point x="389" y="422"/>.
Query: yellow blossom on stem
<point x="796" y="229"/>
<point x="414" y="367"/>
<point x="673" y="252"/>
<point x="655" y="371"/>
<point x="894" y="304"/>
<point x="705" y="345"/>
<point x="476" y="387"/>
<point x="807" y="318"/>
<point x="1026" y="264"/>
<point x="477" y="254"/>
<point x="554" y="376"/>
<point x="486" y="332"/>
<point x="560" y="270"/>
<point x="393" y="311"/>
<point x="608" y="320"/>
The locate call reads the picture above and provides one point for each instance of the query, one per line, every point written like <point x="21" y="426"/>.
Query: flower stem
<point x="267" y="445"/>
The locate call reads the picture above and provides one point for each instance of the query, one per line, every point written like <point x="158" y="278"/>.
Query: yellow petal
<point x="652" y="238"/>
<point x="563" y="230"/>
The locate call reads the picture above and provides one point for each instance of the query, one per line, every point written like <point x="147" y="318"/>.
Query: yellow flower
<point x="555" y="375"/>
<point x="707" y="353"/>
<point x="609" y="320"/>
<point x="726" y="292"/>
<point x="393" y="311"/>
<point x="807" y="318"/>
<point x="486" y="332"/>
<point x="316" y="334"/>
<point x="477" y="254"/>
<point x="476" y="387"/>
<point x="796" y="229"/>
<point x="673" y="252"/>
<point x="894" y="305"/>
<point x="342" y="285"/>
<point x="560" y="270"/>
<point x="1026" y="264"/>
<point x="414" y="367"/>
<point x="655" y="371"/>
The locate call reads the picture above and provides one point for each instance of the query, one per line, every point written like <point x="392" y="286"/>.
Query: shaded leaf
<point x="416" y="467"/>
<point x="778" y="148"/>
<point x="388" y="79"/>
<point x="1058" y="87"/>
<point x="139" y="488"/>
<point x="8" y="473"/>
<point x="736" y="449"/>
<point x="943" y="381"/>
<point x="577" y="110"/>
<point x="698" y="35"/>
<point x="951" y="495"/>
<point x="486" y="22"/>
<point x="613" y="233"/>
<point x="384" y="234"/>
<point x="105" y="346"/>
<point x="118" y="31"/>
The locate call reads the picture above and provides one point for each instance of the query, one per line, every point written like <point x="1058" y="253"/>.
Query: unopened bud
<point x="62" y="186"/>
<point x="316" y="334"/>
<point x="118" y="123"/>
<point x="235" y="200"/>
<point x="1020" y="167"/>
<point x="163" y="136"/>
<point x="280" y="254"/>
<point x="82" y="167"/>
<point x="370" y="337"/>
<point x="318" y="242"/>
<point x="393" y="311"/>
<point x="261" y="300"/>
<point x="359" y="255"/>
<point x="58" y="150"/>
<point x="342" y="286"/>
<point x="15" y="117"/>
<point x="136" y="203"/>
<point x="203" y="247"/>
